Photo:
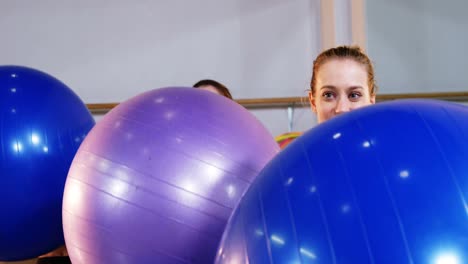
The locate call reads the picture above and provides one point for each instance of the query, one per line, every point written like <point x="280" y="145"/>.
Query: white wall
<point x="343" y="18"/>
<point x="109" y="51"/>
<point x="419" y="45"/>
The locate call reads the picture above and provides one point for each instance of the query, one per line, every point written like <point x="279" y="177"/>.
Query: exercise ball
<point x="42" y="125"/>
<point x="157" y="178"/>
<point x="382" y="184"/>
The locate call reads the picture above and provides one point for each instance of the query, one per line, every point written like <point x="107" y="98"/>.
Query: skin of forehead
<point x="341" y="73"/>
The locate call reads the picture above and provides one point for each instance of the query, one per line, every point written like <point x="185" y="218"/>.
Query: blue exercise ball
<point x="383" y="184"/>
<point x="42" y="125"/>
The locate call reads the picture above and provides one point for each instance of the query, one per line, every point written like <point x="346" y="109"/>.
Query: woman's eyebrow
<point x="328" y="87"/>
<point x="357" y="87"/>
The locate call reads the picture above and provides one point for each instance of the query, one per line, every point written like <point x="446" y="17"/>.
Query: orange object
<point x="286" y="138"/>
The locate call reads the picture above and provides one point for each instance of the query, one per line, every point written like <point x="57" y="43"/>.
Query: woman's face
<point x="341" y="86"/>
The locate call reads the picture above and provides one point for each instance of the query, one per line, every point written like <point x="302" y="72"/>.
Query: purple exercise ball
<point x="156" y="180"/>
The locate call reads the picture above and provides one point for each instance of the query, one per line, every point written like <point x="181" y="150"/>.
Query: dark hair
<point x="345" y="52"/>
<point x="220" y="87"/>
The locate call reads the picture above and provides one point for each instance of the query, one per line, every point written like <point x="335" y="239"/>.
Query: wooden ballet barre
<point x="447" y="96"/>
<point x="282" y="102"/>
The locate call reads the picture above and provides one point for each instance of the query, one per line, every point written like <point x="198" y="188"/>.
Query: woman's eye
<point x="355" y="95"/>
<point x="327" y="95"/>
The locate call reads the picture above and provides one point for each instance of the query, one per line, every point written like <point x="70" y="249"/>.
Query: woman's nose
<point x="342" y="106"/>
